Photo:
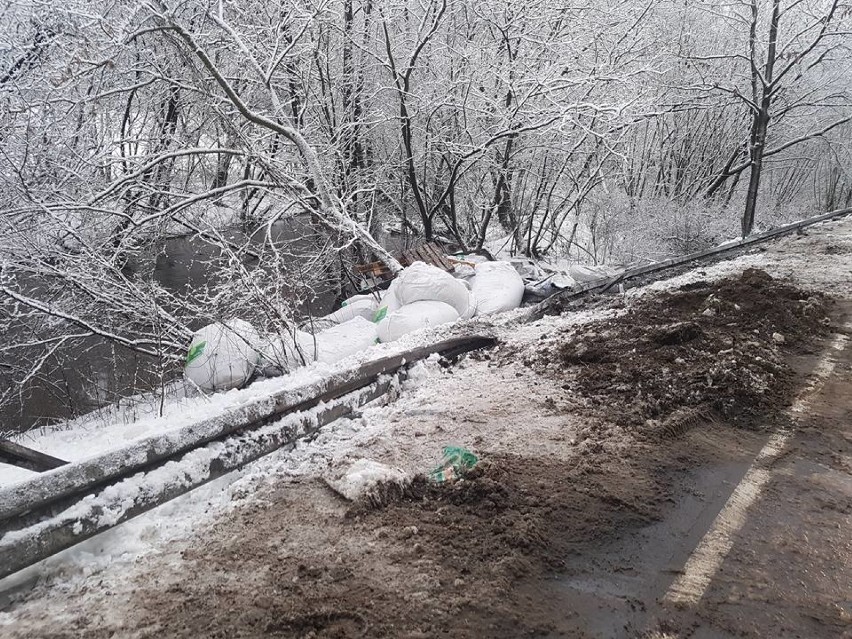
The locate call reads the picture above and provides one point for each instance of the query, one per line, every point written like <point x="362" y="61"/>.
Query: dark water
<point x="185" y="262"/>
<point x="101" y="371"/>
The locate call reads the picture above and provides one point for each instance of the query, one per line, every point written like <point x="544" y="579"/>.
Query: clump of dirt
<point x="706" y="349"/>
<point x="835" y="249"/>
<point x="510" y="512"/>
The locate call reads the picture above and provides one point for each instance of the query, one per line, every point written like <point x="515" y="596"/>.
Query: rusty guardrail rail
<point x="64" y="506"/>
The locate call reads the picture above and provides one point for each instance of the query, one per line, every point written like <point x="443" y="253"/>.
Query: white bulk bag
<point x="422" y="282"/>
<point x="471" y="305"/>
<point x="222" y="356"/>
<point x="415" y="316"/>
<point x="356" y="306"/>
<point x="285" y="352"/>
<point x="388" y="304"/>
<point x="497" y="287"/>
<point x="346" y="339"/>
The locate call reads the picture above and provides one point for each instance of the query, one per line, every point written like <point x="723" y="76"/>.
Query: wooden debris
<point x="23" y="457"/>
<point x="375" y="274"/>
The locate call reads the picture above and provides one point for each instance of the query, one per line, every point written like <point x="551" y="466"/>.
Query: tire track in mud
<point x="705" y="560"/>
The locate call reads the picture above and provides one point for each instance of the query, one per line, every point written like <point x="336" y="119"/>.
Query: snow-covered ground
<point x="143" y="416"/>
<point x="433" y="400"/>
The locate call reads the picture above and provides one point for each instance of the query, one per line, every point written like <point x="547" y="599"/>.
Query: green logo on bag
<point x="195" y="352"/>
<point x="380" y="314"/>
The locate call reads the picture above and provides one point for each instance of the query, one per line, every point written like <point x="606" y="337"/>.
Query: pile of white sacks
<point x="225" y="355"/>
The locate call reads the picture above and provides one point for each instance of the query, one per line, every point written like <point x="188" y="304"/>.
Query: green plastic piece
<point x="457" y="463"/>
<point x="195" y="352"/>
<point x="380" y="314"/>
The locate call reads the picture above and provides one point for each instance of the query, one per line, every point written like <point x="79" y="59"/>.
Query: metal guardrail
<point x="638" y="272"/>
<point x="65" y="506"/>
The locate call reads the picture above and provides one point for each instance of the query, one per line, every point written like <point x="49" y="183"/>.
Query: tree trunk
<point x="758" y="144"/>
<point x="760" y="124"/>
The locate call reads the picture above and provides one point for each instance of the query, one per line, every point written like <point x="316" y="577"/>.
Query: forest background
<point x="286" y="141"/>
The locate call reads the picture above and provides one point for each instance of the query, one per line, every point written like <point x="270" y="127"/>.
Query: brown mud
<point x="443" y="559"/>
<point x="706" y="351"/>
<point x="485" y="556"/>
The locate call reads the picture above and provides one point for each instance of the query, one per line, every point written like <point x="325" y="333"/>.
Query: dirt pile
<point x="523" y="510"/>
<point x="708" y="349"/>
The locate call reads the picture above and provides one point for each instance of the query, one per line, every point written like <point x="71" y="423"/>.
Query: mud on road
<point x="597" y="442"/>
<point x="484" y="556"/>
<point x="706" y="351"/>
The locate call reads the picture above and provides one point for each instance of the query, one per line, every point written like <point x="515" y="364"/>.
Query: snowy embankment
<point x="143" y="416"/>
<point x="344" y="440"/>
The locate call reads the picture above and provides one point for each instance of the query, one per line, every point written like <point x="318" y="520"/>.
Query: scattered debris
<point x="369" y="480"/>
<point x="478" y="557"/>
<point x="376" y="274"/>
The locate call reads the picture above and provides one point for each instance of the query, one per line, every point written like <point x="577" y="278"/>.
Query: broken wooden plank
<point x="439" y="259"/>
<point x="23" y="457"/>
<point x="407" y="257"/>
<point x="372" y="268"/>
<point x="425" y="255"/>
<point x="429" y="253"/>
<point x="412" y="255"/>
<point x="421" y="255"/>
